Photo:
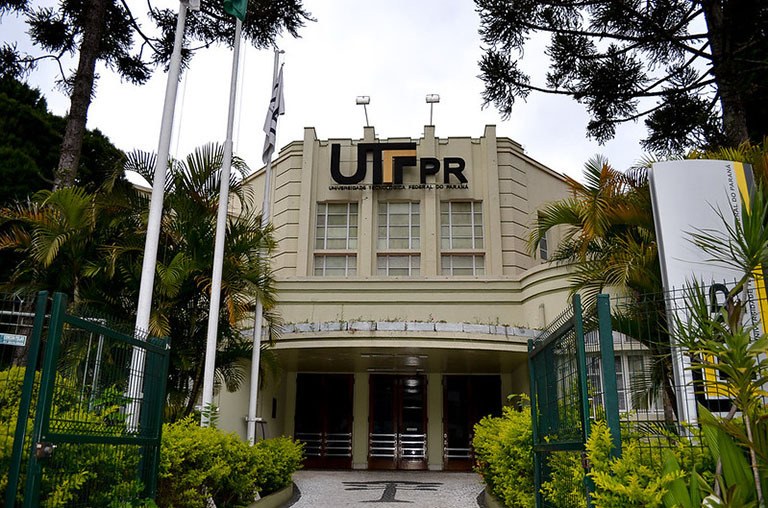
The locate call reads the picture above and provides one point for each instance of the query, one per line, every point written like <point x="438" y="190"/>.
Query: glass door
<point x="398" y="422"/>
<point x="324" y="419"/>
<point x="466" y="400"/>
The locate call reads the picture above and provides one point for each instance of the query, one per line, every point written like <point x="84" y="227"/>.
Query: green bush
<point x="104" y="475"/>
<point x="197" y="463"/>
<point x="634" y="479"/>
<point x="278" y="458"/>
<point x="504" y="456"/>
<point x="565" y="487"/>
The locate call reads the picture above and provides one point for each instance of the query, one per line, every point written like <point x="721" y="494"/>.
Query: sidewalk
<point x="421" y="489"/>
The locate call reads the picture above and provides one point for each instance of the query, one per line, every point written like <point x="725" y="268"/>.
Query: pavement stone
<point x="420" y="489"/>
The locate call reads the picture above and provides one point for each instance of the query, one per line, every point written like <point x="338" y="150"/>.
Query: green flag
<point x="236" y="8"/>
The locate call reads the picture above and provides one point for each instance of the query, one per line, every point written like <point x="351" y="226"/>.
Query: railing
<point x="320" y="444"/>
<point x="382" y="445"/>
<point x="453" y="452"/>
<point x="413" y="446"/>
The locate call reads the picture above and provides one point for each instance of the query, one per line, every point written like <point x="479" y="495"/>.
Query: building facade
<point x="408" y="295"/>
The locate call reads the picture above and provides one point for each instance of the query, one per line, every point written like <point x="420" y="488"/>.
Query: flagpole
<point x="218" y="250"/>
<point x="259" y="312"/>
<point x="144" y="305"/>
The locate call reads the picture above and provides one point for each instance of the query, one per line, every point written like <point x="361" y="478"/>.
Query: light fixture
<point x="364" y="100"/>
<point x="432" y="99"/>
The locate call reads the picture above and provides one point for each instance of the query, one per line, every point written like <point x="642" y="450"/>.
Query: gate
<point x="560" y="394"/>
<point x="82" y="438"/>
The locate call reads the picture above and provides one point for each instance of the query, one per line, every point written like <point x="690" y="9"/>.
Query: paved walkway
<point x="422" y="489"/>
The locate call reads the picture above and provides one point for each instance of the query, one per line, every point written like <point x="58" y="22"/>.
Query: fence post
<point x="581" y="359"/>
<point x="152" y="414"/>
<point x="608" y="364"/>
<point x="44" y="398"/>
<point x="535" y="430"/>
<point x="26" y="399"/>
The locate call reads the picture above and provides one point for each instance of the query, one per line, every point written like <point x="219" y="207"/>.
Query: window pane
<point x="336" y="226"/>
<point x="461" y="225"/>
<point x="398" y="265"/>
<point x="335" y="265"/>
<point x="398" y="225"/>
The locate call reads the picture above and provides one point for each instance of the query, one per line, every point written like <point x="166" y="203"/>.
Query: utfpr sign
<point x="389" y="161"/>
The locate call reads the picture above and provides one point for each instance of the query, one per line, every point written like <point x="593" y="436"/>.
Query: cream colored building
<point x="407" y="292"/>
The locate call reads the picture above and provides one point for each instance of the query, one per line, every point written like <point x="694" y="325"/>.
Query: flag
<point x="276" y="108"/>
<point x="236" y="8"/>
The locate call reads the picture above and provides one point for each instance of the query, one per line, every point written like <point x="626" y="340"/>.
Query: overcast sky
<point x="395" y="51"/>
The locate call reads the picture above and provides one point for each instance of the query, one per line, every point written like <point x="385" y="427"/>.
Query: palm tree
<point x="183" y="278"/>
<point x="55" y="234"/>
<point x="610" y="241"/>
<point x="90" y="246"/>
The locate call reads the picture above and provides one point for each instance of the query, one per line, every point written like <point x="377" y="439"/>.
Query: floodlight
<point x="364" y="100"/>
<point x="432" y="99"/>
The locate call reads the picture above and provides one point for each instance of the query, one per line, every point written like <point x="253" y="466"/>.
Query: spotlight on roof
<point x="432" y="99"/>
<point x="364" y="100"/>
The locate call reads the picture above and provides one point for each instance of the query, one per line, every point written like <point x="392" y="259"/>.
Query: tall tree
<point x="696" y="70"/>
<point x="30" y="140"/>
<point x="105" y="30"/>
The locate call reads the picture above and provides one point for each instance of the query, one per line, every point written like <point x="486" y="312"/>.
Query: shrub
<point x="197" y="463"/>
<point x="278" y="459"/>
<point x="105" y="475"/>
<point x="565" y="488"/>
<point x="504" y="455"/>
<point x="630" y="480"/>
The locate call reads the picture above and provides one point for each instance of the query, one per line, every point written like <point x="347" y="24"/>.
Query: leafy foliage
<point x="90" y="245"/>
<point x="107" y="31"/>
<point x="630" y="480"/>
<point x="102" y="475"/>
<point x="202" y="462"/>
<point x="504" y="455"/>
<point x="699" y="62"/>
<point x="30" y="139"/>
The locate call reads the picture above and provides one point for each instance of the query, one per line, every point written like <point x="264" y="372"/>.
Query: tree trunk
<point x="722" y="39"/>
<point x="80" y="98"/>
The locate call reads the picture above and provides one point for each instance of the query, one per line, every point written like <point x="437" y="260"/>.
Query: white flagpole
<point x="259" y="312"/>
<point x="144" y="305"/>
<point x="218" y="250"/>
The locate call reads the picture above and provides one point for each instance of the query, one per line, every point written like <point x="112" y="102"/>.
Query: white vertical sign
<point x="692" y="196"/>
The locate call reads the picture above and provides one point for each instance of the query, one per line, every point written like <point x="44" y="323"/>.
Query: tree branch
<point x="136" y="26"/>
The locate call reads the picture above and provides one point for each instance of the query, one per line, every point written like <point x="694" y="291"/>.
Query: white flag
<point x="276" y="108"/>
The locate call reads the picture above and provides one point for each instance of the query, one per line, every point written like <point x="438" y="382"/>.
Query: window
<point x="399" y="239"/>
<point x="336" y="239"/>
<point x="461" y="238"/>
<point x="631" y="382"/>
<point x="544" y="247"/>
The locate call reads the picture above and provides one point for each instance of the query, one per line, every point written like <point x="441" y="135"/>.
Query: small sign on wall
<point x="12" y="339"/>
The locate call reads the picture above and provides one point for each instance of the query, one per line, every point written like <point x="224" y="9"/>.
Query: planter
<point x="275" y="499"/>
<point x="490" y="500"/>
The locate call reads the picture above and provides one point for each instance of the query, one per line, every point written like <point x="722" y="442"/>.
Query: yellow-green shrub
<point x="631" y="480"/>
<point x="504" y="456"/>
<point x="198" y="463"/>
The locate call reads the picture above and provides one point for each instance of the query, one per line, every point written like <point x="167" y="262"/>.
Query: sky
<point x="394" y="51"/>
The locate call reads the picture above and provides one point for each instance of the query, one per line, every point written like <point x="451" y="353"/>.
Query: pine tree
<point x="695" y="70"/>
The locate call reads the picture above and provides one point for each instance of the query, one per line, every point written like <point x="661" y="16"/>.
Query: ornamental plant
<point x="504" y="455"/>
<point x="198" y="464"/>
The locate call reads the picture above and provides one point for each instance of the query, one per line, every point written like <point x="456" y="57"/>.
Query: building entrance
<point x="397" y="436"/>
<point x="466" y="400"/>
<point x="324" y="419"/>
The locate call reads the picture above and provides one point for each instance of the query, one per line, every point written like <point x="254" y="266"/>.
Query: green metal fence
<point x="561" y="398"/>
<point x="90" y="413"/>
